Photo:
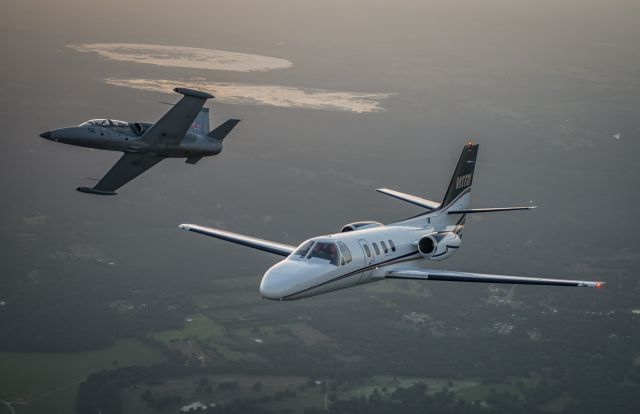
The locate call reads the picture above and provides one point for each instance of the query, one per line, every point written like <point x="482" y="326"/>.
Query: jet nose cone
<point x="46" y="135"/>
<point x="269" y="289"/>
<point x="277" y="283"/>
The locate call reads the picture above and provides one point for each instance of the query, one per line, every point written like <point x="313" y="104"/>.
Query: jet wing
<point x="128" y="167"/>
<point x="453" y="276"/>
<point x="490" y="210"/>
<point x="260" y="244"/>
<point x="173" y="125"/>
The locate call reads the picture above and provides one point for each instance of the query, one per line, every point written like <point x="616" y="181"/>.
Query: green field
<point x="198" y="327"/>
<point x="391" y="383"/>
<point x="201" y="334"/>
<point x="48" y="381"/>
<point x="187" y="388"/>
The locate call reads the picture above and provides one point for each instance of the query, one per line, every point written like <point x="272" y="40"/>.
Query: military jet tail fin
<point x="200" y="125"/>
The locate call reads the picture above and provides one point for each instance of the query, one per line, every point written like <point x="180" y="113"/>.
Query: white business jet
<point x="369" y="251"/>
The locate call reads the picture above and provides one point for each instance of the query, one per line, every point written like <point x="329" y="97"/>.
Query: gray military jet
<point x="183" y="132"/>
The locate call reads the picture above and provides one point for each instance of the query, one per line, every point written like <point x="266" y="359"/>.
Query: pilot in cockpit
<point x="332" y="252"/>
<point x="325" y="251"/>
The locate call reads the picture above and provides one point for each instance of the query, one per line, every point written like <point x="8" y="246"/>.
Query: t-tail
<point x="456" y="200"/>
<point x="459" y="190"/>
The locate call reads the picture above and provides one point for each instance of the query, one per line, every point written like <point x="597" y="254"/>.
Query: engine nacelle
<point x="439" y="246"/>
<point x="360" y="225"/>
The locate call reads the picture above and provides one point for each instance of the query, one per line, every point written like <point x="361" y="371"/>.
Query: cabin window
<point x="367" y="250"/>
<point x="325" y="251"/>
<point x="346" y="254"/>
<point x="393" y="246"/>
<point x="303" y="249"/>
<point x="384" y="247"/>
<point x="375" y="247"/>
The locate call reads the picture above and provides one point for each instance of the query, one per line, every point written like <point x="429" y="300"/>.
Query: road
<point x="8" y="404"/>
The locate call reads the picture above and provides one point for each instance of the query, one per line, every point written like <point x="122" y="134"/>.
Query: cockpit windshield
<point x="325" y="251"/>
<point x="105" y="123"/>
<point x="302" y="250"/>
<point x="312" y="250"/>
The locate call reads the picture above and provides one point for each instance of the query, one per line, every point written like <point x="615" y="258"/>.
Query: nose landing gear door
<point x="369" y="260"/>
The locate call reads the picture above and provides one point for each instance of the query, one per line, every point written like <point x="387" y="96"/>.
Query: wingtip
<point x="194" y="93"/>
<point x="88" y="190"/>
<point x="184" y="226"/>
<point x="600" y="284"/>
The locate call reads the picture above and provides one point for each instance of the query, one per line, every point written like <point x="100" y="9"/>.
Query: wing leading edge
<point x="173" y="125"/>
<point x="128" y="167"/>
<point x="453" y="276"/>
<point x="280" y="249"/>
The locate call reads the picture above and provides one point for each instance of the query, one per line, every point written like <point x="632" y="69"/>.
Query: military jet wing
<point x="173" y="125"/>
<point x="128" y="167"/>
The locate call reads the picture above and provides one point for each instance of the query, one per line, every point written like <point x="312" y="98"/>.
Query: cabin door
<point x="368" y="261"/>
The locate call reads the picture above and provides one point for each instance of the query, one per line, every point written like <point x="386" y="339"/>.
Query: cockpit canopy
<point x="105" y="123"/>
<point x="337" y="254"/>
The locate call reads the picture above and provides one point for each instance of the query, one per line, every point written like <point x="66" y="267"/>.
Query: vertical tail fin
<point x="200" y="125"/>
<point x="460" y="186"/>
<point x="223" y="129"/>
<point x="459" y="192"/>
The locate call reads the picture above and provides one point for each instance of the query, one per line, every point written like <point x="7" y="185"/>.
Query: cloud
<point x="233" y="93"/>
<point x="184" y="57"/>
<point x="273" y="95"/>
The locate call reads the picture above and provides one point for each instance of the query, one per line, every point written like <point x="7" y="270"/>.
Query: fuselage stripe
<point x="395" y="260"/>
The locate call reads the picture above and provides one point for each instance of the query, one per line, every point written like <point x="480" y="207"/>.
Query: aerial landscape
<point x="107" y="306"/>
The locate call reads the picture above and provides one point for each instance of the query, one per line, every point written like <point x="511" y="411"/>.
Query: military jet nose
<point x="46" y="135"/>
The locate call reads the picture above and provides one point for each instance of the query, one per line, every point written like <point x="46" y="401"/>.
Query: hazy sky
<point x="545" y="87"/>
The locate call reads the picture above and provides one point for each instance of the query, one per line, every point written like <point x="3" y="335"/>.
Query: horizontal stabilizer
<point x="260" y="244"/>
<point x="453" y="276"/>
<point x="418" y="201"/>
<point x="223" y="130"/>
<point x="490" y="210"/>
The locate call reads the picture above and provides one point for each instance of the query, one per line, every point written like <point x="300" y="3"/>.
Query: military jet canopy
<point x="105" y="123"/>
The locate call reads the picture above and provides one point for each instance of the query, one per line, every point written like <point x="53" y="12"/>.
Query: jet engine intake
<point x="438" y="246"/>
<point x="360" y="225"/>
